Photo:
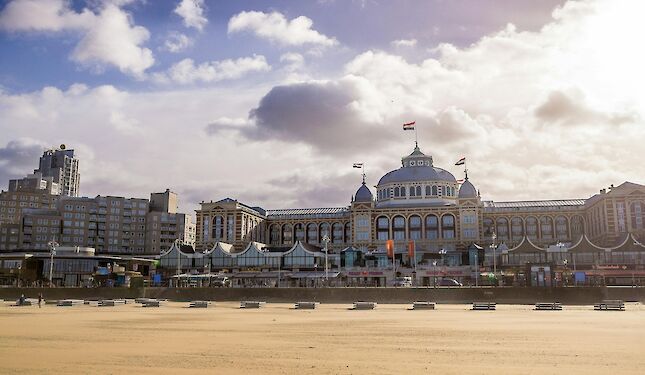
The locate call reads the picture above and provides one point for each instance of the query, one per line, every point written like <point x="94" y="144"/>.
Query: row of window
<point x="395" y="229"/>
<point x="416" y="191"/>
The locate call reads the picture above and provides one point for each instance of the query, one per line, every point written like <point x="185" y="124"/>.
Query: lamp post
<point x="325" y="241"/>
<point x="177" y="247"/>
<point x="493" y="247"/>
<point x="434" y="266"/>
<point x="52" y="251"/>
<point x="564" y="279"/>
<point x="442" y="252"/>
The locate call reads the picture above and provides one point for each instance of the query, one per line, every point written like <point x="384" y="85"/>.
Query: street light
<point x="442" y="252"/>
<point x="52" y="251"/>
<point x="325" y="241"/>
<point x="493" y="247"/>
<point x="434" y="283"/>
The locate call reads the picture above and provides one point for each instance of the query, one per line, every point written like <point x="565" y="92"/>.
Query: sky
<point x="271" y="102"/>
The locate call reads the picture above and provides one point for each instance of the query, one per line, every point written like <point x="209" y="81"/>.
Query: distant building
<point x="62" y="166"/>
<point x="111" y="225"/>
<point x="35" y="182"/>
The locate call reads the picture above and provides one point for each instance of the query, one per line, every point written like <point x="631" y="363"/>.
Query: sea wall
<point x="505" y="295"/>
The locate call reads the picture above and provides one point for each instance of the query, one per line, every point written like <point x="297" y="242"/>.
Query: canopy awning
<point x="313" y="275"/>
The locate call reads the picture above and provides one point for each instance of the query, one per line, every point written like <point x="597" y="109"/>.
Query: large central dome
<point x="417" y="182"/>
<point x="417" y="167"/>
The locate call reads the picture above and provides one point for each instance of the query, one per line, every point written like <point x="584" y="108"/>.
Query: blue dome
<point x="467" y="190"/>
<point x="363" y="194"/>
<point x="407" y="174"/>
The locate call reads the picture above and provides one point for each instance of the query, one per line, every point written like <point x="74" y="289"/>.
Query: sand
<point x="277" y="339"/>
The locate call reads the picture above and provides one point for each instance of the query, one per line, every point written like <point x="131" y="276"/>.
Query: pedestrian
<point x="40" y="299"/>
<point x="21" y="301"/>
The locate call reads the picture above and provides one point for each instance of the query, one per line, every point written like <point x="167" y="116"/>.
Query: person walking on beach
<point x="40" y="299"/>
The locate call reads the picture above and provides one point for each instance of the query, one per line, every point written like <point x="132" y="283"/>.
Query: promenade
<point x="276" y="339"/>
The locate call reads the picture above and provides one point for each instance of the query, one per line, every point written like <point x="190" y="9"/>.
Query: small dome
<point x="467" y="190"/>
<point x="363" y="194"/>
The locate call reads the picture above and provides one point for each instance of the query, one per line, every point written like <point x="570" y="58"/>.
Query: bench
<point x="26" y="302"/>
<point x="199" y="304"/>
<point x="610" y="305"/>
<point x="151" y="303"/>
<point x="306" y="305"/>
<point x="70" y="302"/>
<point x="111" y="302"/>
<point x="361" y="305"/>
<point x="423" y="305"/>
<point x="484" y="306"/>
<point x="548" y="306"/>
<point x="142" y="300"/>
<point x="251" y="304"/>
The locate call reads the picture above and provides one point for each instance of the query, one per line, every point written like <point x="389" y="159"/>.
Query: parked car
<point x="449" y="282"/>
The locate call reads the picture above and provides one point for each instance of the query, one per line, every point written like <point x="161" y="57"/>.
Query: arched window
<point x="337" y="233"/>
<point x="489" y="227"/>
<point x="402" y="191"/>
<point x="637" y="209"/>
<point x="428" y="191"/>
<point x="418" y="191"/>
<point x="502" y="229"/>
<point x="414" y="227"/>
<point x="448" y="226"/>
<point x="287" y="234"/>
<point x="218" y="228"/>
<point x="397" y="191"/>
<point x="546" y="228"/>
<point x="412" y="191"/>
<point x="517" y="228"/>
<point x="325" y="229"/>
<point x="562" y="228"/>
<point x="531" y="228"/>
<point x="435" y="191"/>
<point x="348" y="233"/>
<point x="274" y="234"/>
<point x="398" y="227"/>
<point x="383" y="228"/>
<point x="577" y="227"/>
<point x="432" y="227"/>
<point x="299" y="231"/>
<point x="312" y="233"/>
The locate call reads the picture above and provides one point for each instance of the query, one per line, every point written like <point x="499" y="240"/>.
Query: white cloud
<point x="192" y="12"/>
<point x="186" y="72"/>
<point x="276" y="28"/>
<point x="109" y="36"/>
<point x="404" y="43"/>
<point x="177" y="42"/>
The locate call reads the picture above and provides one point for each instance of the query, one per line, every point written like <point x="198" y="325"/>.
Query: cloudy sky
<point x="271" y="102"/>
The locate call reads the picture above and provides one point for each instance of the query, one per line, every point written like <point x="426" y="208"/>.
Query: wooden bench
<point x="151" y="303"/>
<point x="548" y="306"/>
<point x="610" y="305"/>
<point x="484" y="306"/>
<point x="306" y="305"/>
<point x="251" y="304"/>
<point x="199" y="304"/>
<point x="362" y="305"/>
<point x="423" y="305"/>
<point x="111" y="302"/>
<point x="70" y="302"/>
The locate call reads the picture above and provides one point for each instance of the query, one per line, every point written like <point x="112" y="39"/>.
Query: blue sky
<point x="271" y="102"/>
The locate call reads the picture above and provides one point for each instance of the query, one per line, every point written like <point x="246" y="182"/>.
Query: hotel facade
<point x="440" y="226"/>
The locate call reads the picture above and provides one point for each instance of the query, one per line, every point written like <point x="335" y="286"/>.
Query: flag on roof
<point x="461" y="161"/>
<point x="460" y="181"/>
<point x="357" y="165"/>
<point x="409" y="125"/>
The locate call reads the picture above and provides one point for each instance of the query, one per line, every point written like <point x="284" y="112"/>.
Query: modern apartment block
<point x="111" y="225"/>
<point x="12" y="203"/>
<point x="62" y="166"/>
<point x="35" y="182"/>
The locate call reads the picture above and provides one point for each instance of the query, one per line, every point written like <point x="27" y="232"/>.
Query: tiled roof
<point x="318" y="212"/>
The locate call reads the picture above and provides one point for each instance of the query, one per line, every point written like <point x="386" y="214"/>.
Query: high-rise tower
<point x="62" y="166"/>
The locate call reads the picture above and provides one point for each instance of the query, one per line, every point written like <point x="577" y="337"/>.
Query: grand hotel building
<point x="427" y="204"/>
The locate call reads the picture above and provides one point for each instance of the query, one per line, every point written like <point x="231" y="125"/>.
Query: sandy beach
<point x="277" y="339"/>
